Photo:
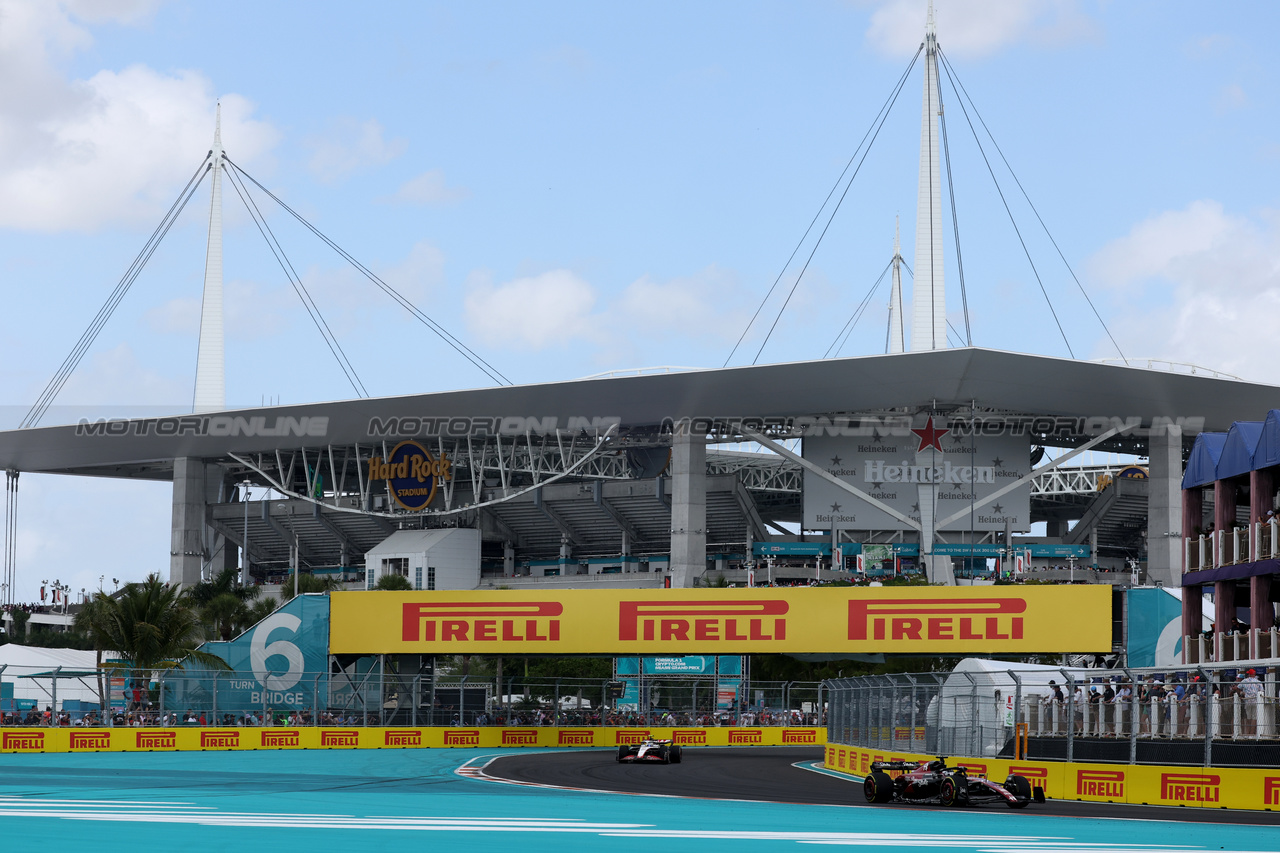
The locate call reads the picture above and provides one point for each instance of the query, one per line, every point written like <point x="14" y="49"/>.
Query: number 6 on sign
<point x="260" y="650"/>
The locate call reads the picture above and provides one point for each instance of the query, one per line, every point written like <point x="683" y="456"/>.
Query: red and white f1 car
<point x="934" y="782"/>
<point x="650" y="752"/>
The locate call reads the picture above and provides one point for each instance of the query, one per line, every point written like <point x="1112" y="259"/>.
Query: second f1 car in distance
<point x="651" y="752"/>
<point x="936" y="783"/>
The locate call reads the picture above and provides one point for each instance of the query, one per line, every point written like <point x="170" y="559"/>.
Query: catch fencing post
<point x="315" y="701"/>
<point x="911" y="741"/>
<point x="1017" y="705"/>
<point x="1071" y="714"/>
<point x="1133" y="717"/>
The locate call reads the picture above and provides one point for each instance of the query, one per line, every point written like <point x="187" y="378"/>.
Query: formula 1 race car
<point x="651" y="752"/>
<point x="935" y="782"/>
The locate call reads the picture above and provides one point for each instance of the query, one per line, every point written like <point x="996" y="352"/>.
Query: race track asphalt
<point x="785" y="775"/>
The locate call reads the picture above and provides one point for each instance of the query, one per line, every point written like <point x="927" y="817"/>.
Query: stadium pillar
<point x="1164" y="506"/>
<point x="688" y="506"/>
<point x="186" y="551"/>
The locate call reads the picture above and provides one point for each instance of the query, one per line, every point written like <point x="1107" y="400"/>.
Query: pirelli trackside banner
<point x="803" y="620"/>
<point x="1206" y="787"/>
<point x="405" y="737"/>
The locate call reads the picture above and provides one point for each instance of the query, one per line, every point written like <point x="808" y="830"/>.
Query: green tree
<point x="309" y="583"/>
<point x="224" y="604"/>
<point x="393" y="582"/>
<point x="151" y="626"/>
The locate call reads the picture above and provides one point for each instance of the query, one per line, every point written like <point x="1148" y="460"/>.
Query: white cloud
<point x="559" y="308"/>
<point x="348" y="146"/>
<point x="115" y="377"/>
<point x="976" y="27"/>
<point x="549" y="309"/>
<point x="78" y="154"/>
<point x="418" y="276"/>
<point x="1219" y="278"/>
<point x="429" y="188"/>
<point x="1231" y="97"/>
<point x="128" y="543"/>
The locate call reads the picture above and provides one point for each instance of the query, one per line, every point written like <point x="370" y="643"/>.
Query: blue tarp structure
<point x="1202" y="464"/>
<point x="1267" y="452"/>
<point x="1237" y="451"/>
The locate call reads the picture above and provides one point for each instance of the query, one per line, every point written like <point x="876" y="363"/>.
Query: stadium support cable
<point x="299" y="288"/>
<point x="1008" y="211"/>
<point x="955" y="82"/>
<point x="875" y="123"/>
<point x="90" y="334"/>
<point x="441" y="332"/>
<point x="955" y="219"/>
<point x="846" y="330"/>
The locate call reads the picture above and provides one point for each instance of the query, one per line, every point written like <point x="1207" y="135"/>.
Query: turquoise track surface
<point x="389" y="800"/>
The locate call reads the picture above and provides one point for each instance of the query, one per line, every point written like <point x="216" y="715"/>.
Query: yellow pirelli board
<point x="1142" y="784"/>
<point x="181" y="739"/>
<point x="800" y="620"/>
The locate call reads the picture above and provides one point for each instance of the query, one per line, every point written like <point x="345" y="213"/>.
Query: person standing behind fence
<point x="1250" y="689"/>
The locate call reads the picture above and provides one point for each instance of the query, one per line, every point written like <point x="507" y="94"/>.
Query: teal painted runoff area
<point x="388" y="800"/>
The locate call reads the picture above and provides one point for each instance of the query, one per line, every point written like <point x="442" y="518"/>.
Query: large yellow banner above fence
<point x="802" y="620"/>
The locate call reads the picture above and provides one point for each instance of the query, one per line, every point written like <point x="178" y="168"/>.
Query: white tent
<point x="29" y="660"/>
<point x="973" y="699"/>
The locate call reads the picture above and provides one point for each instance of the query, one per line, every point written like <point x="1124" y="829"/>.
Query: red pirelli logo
<point x="480" y="622"/>
<point x="746" y="737"/>
<point x="219" y="740"/>
<point x="281" y="737"/>
<point x="1033" y="774"/>
<point x="339" y="737"/>
<point x="22" y="740"/>
<point x="519" y="737"/>
<point x="91" y="740"/>
<point x="629" y="736"/>
<point x="689" y="737"/>
<point x="576" y="737"/>
<point x="1187" y="788"/>
<point x="702" y="621"/>
<point x="936" y="619"/>
<point x="157" y="740"/>
<point x="799" y="736"/>
<point x="461" y="737"/>
<point x="1100" y="783"/>
<point x="1271" y="791"/>
<point x="402" y="737"/>
<point x="973" y="767"/>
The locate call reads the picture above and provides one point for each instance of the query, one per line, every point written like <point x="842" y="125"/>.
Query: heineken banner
<point x="902" y="467"/>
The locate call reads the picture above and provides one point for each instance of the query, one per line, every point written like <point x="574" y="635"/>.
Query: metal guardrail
<point x="974" y="713"/>
<point x="377" y="697"/>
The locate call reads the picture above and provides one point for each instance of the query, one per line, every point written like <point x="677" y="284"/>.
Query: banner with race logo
<point x="1012" y="619"/>
<point x="267" y="663"/>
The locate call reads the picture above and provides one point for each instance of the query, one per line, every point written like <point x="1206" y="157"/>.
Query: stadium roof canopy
<point x="942" y="380"/>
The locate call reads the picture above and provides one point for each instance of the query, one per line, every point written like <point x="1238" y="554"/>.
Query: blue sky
<point x="580" y="187"/>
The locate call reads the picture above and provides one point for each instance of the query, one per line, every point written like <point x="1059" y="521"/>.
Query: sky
<point x="573" y="188"/>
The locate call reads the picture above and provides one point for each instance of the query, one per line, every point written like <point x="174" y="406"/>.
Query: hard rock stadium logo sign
<point x="411" y="473"/>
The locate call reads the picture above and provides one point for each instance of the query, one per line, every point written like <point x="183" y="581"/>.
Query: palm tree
<point x="393" y="582"/>
<point x="310" y="583"/>
<point x="91" y="621"/>
<point x="152" y="627"/>
<point x="223" y="603"/>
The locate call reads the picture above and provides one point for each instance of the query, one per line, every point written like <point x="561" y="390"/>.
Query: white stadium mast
<point x="928" y="294"/>
<point x="211" y="390"/>
<point x="896" y="341"/>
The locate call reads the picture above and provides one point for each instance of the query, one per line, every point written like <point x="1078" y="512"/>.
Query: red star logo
<point x="930" y="437"/>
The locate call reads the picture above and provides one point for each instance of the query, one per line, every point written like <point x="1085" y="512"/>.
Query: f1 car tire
<point x="878" y="787"/>
<point x="948" y="791"/>
<point x="622" y="753"/>
<point x="677" y="754"/>
<point x="1020" y="788"/>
